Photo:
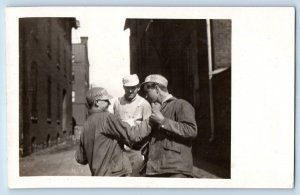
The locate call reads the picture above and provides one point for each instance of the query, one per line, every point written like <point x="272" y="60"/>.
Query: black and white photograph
<point x="137" y="97"/>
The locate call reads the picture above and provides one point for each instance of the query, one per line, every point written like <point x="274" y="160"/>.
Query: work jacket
<point x="100" y="143"/>
<point x="170" y="149"/>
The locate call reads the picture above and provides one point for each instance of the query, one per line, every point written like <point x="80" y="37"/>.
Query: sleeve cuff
<point x="163" y="123"/>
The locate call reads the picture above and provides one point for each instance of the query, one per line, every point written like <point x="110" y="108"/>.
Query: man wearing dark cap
<point x="102" y="136"/>
<point x="170" y="148"/>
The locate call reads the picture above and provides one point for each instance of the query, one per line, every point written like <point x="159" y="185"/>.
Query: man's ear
<point x="96" y="103"/>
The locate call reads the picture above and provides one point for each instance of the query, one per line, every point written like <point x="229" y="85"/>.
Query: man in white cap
<point x="173" y="129"/>
<point x="103" y="132"/>
<point x="132" y="109"/>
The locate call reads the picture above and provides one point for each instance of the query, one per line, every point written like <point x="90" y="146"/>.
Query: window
<point x="73" y="58"/>
<point x="49" y="52"/>
<point x="65" y="62"/>
<point x="58" y="107"/>
<point x="49" y="27"/>
<point x="33" y="90"/>
<point x="58" y="53"/>
<point x="73" y="96"/>
<point x="35" y="33"/>
<point x="86" y="82"/>
<point x="49" y="95"/>
<point x="49" y="48"/>
<point x="221" y="44"/>
<point x="73" y="76"/>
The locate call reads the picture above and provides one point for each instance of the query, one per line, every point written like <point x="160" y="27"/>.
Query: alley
<point x="59" y="160"/>
<point x="59" y="63"/>
<point x="55" y="161"/>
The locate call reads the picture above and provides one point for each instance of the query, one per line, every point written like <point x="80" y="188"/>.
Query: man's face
<point x="151" y="92"/>
<point x="102" y="104"/>
<point x="131" y="92"/>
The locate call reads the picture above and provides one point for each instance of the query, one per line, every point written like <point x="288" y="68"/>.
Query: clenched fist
<point x="156" y="115"/>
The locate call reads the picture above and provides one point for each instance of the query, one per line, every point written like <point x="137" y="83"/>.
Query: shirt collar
<point x="169" y="96"/>
<point x="93" y="110"/>
<point x="130" y="100"/>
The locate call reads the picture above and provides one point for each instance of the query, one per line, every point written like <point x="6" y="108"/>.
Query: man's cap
<point x="156" y="78"/>
<point x="131" y="80"/>
<point x="97" y="93"/>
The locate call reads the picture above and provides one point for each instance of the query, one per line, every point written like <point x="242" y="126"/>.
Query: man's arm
<point x="124" y="132"/>
<point x="146" y="110"/>
<point x="80" y="155"/>
<point x="184" y="127"/>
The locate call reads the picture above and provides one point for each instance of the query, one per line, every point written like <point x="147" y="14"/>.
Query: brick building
<point x="45" y="81"/>
<point x="80" y="74"/>
<point x="195" y="57"/>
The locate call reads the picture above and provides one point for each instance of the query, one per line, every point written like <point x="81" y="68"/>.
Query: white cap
<point x="131" y="80"/>
<point x="156" y="78"/>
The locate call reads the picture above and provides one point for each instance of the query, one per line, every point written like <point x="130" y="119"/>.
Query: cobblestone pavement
<point x="59" y="160"/>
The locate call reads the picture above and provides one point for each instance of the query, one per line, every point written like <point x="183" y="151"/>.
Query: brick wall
<point x="45" y="81"/>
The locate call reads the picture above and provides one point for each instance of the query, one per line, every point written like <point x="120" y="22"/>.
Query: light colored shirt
<point x="132" y="112"/>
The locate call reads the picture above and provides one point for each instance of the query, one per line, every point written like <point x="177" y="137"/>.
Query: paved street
<point x="55" y="161"/>
<point x="59" y="161"/>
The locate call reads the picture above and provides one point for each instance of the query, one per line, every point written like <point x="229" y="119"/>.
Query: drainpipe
<point x="210" y="75"/>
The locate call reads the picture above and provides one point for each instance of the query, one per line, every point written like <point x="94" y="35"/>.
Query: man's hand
<point x="156" y="115"/>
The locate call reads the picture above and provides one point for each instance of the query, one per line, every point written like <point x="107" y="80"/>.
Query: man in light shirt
<point x="133" y="109"/>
